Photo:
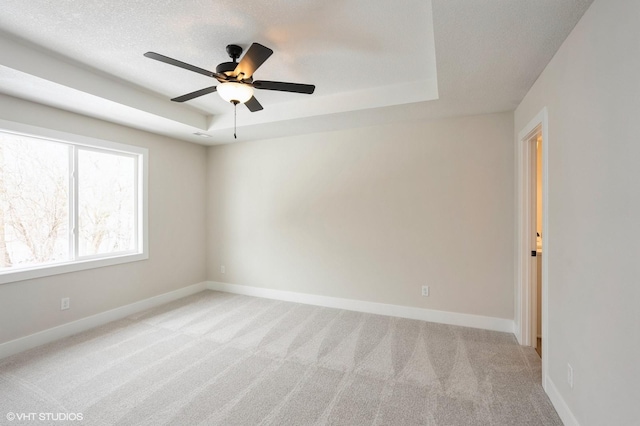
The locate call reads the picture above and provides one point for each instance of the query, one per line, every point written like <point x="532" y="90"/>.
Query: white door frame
<point x="525" y="288"/>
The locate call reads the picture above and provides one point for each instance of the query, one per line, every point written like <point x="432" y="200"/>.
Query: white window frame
<point x="141" y="252"/>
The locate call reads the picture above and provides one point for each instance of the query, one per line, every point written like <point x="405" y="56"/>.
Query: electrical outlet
<point x="425" y="290"/>
<point x="222" y="269"/>
<point x="65" y="304"/>
<point x="570" y="375"/>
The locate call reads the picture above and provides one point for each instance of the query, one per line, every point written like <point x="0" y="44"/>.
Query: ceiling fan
<point x="236" y="78"/>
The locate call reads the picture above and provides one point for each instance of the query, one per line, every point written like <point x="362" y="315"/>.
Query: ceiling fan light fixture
<point x="235" y="92"/>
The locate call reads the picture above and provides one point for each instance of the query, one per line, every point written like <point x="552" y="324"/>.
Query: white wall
<point x="177" y="175"/>
<point x="371" y="214"/>
<point x="592" y="91"/>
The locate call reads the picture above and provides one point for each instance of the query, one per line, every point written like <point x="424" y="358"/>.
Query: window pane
<point x="106" y="203"/>
<point x="34" y="206"/>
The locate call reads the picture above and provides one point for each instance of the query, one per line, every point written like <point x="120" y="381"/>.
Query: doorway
<point x="532" y="291"/>
<point x="536" y="147"/>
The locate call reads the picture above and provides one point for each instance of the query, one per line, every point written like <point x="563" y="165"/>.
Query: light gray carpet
<point x="223" y="359"/>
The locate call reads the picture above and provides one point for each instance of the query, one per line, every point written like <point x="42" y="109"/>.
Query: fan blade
<point x="284" y="87"/>
<point x="251" y="61"/>
<point x="195" y="94"/>
<point x="253" y="105"/>
<point x="177" y="63"/>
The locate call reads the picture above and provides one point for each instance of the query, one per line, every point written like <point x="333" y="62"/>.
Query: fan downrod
<point x="227" y="68"/>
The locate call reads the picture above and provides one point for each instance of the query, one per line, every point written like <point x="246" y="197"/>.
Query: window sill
<point x="64" y="268"/>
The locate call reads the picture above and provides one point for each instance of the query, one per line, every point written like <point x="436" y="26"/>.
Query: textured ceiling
<point x="372" y="62"/>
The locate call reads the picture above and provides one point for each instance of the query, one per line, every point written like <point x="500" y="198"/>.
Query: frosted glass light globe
<point x="238" y="92"/>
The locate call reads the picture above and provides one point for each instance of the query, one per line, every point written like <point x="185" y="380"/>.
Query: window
<point x="68" y="203"/>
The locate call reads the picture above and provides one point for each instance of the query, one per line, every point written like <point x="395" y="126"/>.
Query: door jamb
<point x="524" y="286"/>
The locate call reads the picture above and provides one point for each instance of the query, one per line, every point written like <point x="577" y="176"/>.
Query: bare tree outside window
<point x="34" y="200"/>
<point x="106" y="203"/>
<point x="46" y="186"/>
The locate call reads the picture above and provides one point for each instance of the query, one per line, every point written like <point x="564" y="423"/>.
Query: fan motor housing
<point x="226" y="67"/>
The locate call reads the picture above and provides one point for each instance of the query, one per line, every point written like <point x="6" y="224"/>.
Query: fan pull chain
<point x="235" y="114"/>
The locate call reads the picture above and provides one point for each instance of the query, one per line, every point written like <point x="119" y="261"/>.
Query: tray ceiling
<point x="371" y="62"/>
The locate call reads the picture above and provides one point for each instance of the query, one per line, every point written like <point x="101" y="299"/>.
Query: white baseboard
<point x="516" y="332"/>
<point x="559" y="404"/>
<point x="46" y="336"/>
<point x="453" y="318"/>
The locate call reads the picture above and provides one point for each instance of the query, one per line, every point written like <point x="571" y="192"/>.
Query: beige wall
<point x="371" y="214"/>
<point x="592" y="91"/>
<point x="177" y="173"/>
